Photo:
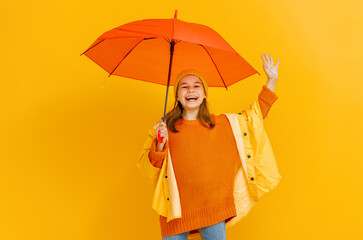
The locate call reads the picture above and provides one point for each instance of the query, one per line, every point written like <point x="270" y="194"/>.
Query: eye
<point x="184" y="87"/>
<point x="197" y="86"/>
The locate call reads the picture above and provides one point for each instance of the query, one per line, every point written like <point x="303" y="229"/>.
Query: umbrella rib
<point x="214" y="65"/>
<point x="125" y="56"/>
<point x="104" y="40"/>
<point x="92" y="47"/>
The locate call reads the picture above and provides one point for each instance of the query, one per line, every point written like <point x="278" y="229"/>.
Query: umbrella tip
<point x="175" y="14"/>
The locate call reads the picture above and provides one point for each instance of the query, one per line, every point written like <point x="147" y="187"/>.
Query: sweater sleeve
<point x="156" y="157"/>
<point x="266" y="98"/>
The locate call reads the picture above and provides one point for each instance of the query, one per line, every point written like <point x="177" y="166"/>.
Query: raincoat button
<point x="166" y="176"/>
<point x="239" y="113"/>
<point x="167" y="199"/>
<point x="248" y="156"/>
<point x="252" y="178"/>
<point x="244" y="134"/>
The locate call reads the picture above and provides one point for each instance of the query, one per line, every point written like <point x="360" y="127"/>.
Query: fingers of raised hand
<point x="278" y="62"/>
<point x="263" y="59"/>
<point x="266" y="59"/>
<point x="269" y="61"/>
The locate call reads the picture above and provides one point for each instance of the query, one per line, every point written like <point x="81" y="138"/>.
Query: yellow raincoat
<point x="255" y="175"/>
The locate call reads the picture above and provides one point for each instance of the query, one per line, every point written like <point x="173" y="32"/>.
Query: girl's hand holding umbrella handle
<point x="160" y="139"/>
<point x="162" y="135"/>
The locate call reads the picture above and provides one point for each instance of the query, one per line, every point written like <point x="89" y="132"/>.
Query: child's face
<point x="190" y="86"/>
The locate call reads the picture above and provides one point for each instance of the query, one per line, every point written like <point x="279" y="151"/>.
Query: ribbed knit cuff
<point x="267" y="95"/>
<point x="156" y="157"/>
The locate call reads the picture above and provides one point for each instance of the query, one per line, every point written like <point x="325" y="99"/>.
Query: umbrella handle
<point x="160" y="139"/>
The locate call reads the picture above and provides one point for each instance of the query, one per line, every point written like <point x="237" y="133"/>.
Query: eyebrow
<point x="186" y="83"/>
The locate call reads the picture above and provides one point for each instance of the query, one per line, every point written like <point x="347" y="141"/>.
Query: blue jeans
<point x="213" y="232"/>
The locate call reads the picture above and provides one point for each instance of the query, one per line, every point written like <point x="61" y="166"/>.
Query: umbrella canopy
<point x="146" y="49"/>
<point x="155" y="50"/>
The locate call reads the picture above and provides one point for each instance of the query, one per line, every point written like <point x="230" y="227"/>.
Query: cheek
<point x="181" y="93"/>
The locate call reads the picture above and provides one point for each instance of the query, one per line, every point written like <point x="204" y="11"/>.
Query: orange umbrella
<point x="155" y="50"/>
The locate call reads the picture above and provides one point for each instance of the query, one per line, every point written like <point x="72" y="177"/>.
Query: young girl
<point x="204" y="156"/>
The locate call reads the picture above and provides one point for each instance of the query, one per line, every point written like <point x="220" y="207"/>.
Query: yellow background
<point x="69" y="147"/>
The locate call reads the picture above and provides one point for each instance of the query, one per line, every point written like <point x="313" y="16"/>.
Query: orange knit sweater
<point x="204" y="163"/>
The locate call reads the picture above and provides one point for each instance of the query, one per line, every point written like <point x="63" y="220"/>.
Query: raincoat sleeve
<point x="265" y="99"/>
<point x="157" y="158"/>
<point x="147" y="170"/>
<point x="262" y="164"/>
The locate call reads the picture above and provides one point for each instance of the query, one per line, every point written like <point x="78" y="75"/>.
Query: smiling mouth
<point x="191" y="99"/>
